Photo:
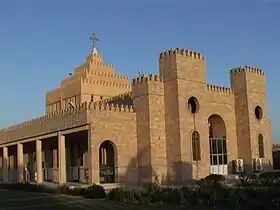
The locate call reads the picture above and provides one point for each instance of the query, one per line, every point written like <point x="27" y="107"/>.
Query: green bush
<point x="63" y="189"/>
<point x="215" y="178"/>
<point x="220" y="197"/>
<point x="94" y="191"/>
<point x="270" y="174"/>
<point x="77" y="191"/>
<point x="27" y="187"/>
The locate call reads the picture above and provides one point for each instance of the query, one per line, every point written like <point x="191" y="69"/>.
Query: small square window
<point x="91" y="98"/>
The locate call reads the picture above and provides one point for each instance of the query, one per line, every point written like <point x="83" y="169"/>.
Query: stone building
<point x="101" y="128"/>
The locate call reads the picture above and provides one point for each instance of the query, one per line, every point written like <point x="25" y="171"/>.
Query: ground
<point x="25" y="200"/>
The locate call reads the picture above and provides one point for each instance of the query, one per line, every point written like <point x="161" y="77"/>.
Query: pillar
<point x="76" y="156"/>
<point x="93" y="157"/>
<point x="61" y="159"/>
<point x="20" y="162"/>
<point x="5" y="165"/>
<point x="54" y="158"/>
<point x="39" y="167"/>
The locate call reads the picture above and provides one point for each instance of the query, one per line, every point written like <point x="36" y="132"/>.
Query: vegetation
<point x="217" y="196"/>
<point x="93" y="191"/>
<point x="259" y="193"/>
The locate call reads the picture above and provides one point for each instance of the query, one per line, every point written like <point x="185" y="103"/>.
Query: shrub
<point x="125" y="195"/>
<point x="77" y="191"/>
<point x="270" y="174"/>
<point x="262" y="198"/>
<point x="26" y="187"/>
<point x="63" y="189"/>
<point x="94" y="191"/>
<point x="215" y="178"/>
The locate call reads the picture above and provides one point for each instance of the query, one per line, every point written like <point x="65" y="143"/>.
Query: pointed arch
<point x="196" y="146"/>
<point x="261" y="146"/>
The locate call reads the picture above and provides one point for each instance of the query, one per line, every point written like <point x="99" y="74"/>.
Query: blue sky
<point x="42" y="41"/>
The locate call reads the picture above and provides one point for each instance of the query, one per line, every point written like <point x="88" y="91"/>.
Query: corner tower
<point x="253" y="126"/>
<point x="184" y="76"/>
<point x="148" y="100"/>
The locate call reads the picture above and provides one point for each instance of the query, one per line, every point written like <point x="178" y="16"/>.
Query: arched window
<point x="261" y="146"/>
<point x="217" y="140"/>
<point x="196" y="146"/>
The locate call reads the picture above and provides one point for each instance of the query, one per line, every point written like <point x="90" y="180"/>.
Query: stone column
<point x="55" y="169"/>
<point x="75" y="154"/>
<point x="39" y="168"/>
<point x="20" y="162"/>
<point x="5" y="170"/>
<point x="61" y="159"/>
<point x="93" y="160"/>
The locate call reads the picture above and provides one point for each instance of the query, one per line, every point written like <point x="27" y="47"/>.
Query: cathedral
<point x="100" y="127"/>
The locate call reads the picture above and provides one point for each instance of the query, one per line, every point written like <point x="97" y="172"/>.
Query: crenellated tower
<point x="252" y="123"/>
<point x="148" y="101"/>
<point x="184" y="76"/>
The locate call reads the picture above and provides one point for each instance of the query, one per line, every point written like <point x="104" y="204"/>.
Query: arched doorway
<point x="107" y="162"/>
<point x="218" y="145"/>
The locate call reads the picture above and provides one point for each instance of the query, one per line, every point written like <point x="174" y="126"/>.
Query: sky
<point x="42" y="41"/>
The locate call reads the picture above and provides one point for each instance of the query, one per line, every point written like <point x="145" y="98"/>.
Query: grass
<point x="12" y="200"/>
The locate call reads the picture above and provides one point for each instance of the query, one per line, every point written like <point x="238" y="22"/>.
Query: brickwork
<point x="149" y="122"/>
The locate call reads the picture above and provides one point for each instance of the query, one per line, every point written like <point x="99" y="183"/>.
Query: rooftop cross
<point x="94" y="41"/>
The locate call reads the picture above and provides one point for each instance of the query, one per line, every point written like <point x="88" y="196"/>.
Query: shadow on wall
<point x="172" y="174"/>
<point x="276" y="160"/>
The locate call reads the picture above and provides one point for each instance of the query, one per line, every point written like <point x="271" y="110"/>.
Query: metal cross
<point x="94" y="41"/>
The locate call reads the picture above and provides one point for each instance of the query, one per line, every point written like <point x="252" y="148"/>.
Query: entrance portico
<point x="58" y="157"/>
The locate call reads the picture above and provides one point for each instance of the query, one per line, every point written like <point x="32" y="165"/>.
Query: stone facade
<point x="173" y="127"/>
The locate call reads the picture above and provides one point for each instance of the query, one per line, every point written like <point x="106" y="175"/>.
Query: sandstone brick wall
<point x="150" y="124"/>
<point x="148" y="99"/>
<point x="249" y="86"/>
<point x="119" y="128"/>
<point x="91" y="81"/>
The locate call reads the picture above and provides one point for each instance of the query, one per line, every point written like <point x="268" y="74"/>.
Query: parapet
<point x="107" y="83"/>
<point x="99" y="106"/>
<point x="215" y="88"/>
<point x="106" y="74"/>
<point x="147" y="79"/>
<point x="250" y="69"/>
<point x="60" y="114"/>
<point x="188" y="53"/>
<point x="120" y="96"/>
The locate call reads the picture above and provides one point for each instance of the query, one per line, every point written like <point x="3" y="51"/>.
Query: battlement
<point x="249" y="69"/>
<point x="70" y="80"/>
<point x="81" y="108"/>
<point x="106" y="83"/>
<point x="220" y="89"/>
<point x="97" y="63"/>
<point x="188" y="53"/>
<point x="86" y="66"/>
<point x="124" y="98"/>
<point x="117" y="97"/>
<point x="106" y="74"/>
<point x="99" y="106"/>
<point x="147" y="79"/>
